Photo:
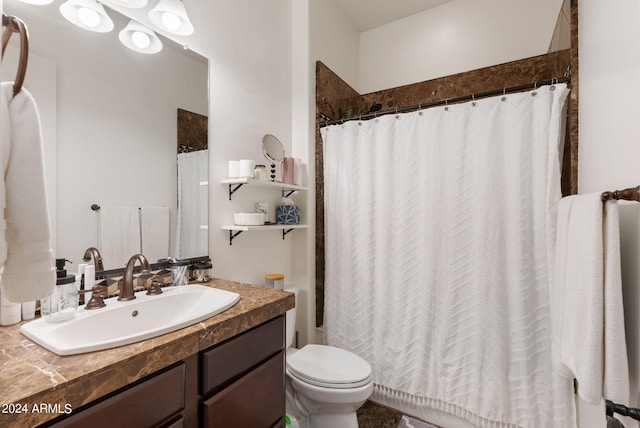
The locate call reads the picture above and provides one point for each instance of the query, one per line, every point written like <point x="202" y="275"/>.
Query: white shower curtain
<point x="192" y="234"/>
<point x="440" y="230"/>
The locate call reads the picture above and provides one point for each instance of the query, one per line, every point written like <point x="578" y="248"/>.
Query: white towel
<point x="154" y="224"/>
<point x="25" y="249"/>
<point x="118" y="235"/>
<point x="586" y="297"/>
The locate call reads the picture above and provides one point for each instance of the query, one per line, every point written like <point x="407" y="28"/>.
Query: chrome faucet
<point x="97" y="258"/>
<point x="126" y="285"/>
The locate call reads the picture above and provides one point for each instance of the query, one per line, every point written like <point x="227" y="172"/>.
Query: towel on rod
<point x="25" y="249"/>
<point x="118" y="235"/>
<point x="154" y="225"/>
<point x="587" y="313"/>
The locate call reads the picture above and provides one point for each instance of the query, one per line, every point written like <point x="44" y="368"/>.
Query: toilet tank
<point x="291" y="319"/>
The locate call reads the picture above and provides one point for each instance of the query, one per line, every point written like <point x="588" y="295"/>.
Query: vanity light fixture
<point x="132" y="4"/>
<point x="171" y="16"/>
<point x="140" y="38"/>
<point x="87" y="14"/>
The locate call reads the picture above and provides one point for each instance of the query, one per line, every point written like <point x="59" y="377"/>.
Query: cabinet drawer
<point x="146" y="404"/>
<point x="255" y="400"/>
<point x="231" y="359"/>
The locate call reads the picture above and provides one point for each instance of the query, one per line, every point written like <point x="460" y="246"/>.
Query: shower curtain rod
<point x="446" y="101"/>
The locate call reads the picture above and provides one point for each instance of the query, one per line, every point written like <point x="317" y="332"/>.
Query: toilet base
<point x="327" y="420"/>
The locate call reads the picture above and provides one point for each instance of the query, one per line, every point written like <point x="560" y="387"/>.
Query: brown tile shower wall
<point x="335" y="99"/>
<point x="193" y="130"/>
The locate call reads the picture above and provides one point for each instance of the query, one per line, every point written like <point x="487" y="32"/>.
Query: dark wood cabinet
<point x="250" y="401"/>
<point x="154" y="402"/>
<point x="239" y="382"/>
<point x="243" y="379"/>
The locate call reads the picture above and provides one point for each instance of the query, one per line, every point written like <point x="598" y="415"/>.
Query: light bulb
<point x="88" y="17"/>
<point x="140" y="39"/>
<point x="171" y="21"/>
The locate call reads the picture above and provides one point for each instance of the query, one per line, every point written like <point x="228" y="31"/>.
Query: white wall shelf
<point x="286" y="189"/>
<point x="236" y="183"/>
<point x="235" y="230"/>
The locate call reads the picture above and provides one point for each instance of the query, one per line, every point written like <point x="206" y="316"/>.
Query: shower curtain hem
<point x="407" y="400"/>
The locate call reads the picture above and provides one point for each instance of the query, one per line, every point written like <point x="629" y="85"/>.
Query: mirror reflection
<point x="110" y="133"/>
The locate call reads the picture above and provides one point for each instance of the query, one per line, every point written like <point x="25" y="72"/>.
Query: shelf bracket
<point x="233" y="189"/>
<point x="233" y="235"/>
<point x="286" y="194"/>
<point x="285" y="232"/>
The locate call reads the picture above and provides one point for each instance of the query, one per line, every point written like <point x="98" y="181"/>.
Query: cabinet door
<point x="255" y="400"/>
<point x="146" y="404"/>
<point x="225" y="362"/>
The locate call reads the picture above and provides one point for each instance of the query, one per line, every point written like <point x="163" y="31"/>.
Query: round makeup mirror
<point x="274" y="152"/>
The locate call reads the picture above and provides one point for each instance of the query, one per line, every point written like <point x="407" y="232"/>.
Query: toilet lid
<point x="329" y="366"/>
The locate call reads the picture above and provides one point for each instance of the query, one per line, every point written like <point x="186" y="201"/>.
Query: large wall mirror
<point x="109" y="118"/>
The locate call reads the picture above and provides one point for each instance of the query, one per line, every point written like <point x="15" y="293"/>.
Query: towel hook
<point x="16" y="25"/>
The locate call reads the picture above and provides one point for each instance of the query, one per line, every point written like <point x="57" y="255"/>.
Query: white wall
<point x="248" y="44"/>
<point x="116" y="121"/>
<point x="457" y="36"/>
<point x="609" y="150"/>
<point x="334" y="40"/>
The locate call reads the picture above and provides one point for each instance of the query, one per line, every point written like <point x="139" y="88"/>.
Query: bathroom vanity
<point x="225" y="371"/>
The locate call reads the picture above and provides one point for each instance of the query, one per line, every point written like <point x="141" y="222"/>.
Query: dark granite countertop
<point x="37" y="385"/>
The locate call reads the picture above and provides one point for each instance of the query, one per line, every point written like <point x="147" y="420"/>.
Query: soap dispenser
<point x="61" y="305"/>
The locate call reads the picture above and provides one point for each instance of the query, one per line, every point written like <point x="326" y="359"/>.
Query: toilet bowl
<point x="325" y="384"/>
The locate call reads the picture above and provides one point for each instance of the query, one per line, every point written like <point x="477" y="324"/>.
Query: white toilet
<point x="325" y="384"/>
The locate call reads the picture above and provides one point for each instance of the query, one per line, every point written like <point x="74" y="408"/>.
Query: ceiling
<point x="368" y="14"/>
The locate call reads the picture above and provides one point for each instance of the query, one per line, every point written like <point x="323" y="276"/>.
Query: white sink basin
<point x="122" y="323"/>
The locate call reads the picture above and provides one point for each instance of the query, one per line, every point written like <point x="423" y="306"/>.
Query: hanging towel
<point x="25" y="248"/>
<point x="586" y="297"/>
<point x="154" y="224"/>
<point x="118" y="235"/>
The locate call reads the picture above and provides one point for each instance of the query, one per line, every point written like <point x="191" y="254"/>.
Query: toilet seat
<point x="329" y="367"/>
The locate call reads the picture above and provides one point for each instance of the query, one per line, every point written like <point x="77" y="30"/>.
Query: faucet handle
<point x="154" y="288"/>
<point x="98" y="293"/>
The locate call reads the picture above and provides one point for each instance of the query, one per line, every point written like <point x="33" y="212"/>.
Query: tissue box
<point x="288" y="214"/>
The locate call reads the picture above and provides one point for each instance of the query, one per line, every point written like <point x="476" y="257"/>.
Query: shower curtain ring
<point x="535" y="87"/>
<point x="473" y="100"/>
<point x="504" y="94"/>
<point x="446" y="104"/>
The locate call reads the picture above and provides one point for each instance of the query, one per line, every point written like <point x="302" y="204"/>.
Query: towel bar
<point x="630" y="194"/>
<point x="622" y="410"/>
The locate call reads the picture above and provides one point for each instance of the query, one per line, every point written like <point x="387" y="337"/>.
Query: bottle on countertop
<point x="61" y="305"/>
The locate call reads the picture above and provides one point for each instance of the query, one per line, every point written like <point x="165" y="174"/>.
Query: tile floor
<point x="372" y="415"/>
